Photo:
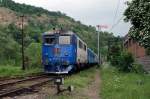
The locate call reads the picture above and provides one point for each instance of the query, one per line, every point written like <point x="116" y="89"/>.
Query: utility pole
<point x="98" y="39"/>
<point x="22" y="41"/>
<point x="98" y="42"/>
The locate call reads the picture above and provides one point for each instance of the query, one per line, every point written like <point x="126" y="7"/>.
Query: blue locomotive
<point x="64" y="52"/>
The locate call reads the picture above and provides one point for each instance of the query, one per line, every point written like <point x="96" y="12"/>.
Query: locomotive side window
<point x="50" y="40"/>
<point x="80" y="44"/>
<point x="85" y="47"/>
<point x="64" y="40"/>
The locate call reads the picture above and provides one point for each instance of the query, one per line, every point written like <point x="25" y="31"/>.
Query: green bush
<point x="123" y="60"/>
<point x="138" y="68"/>
<point x="126" y="61"/>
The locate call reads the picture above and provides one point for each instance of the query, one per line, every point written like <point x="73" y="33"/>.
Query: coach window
<point x="50" y="40"/>
<point x="64" y="40"/>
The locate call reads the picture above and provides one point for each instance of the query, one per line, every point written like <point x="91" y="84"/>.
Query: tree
<point x="138" y="13"/>
<point x="9" y="50"/>
<point x="33" y="55"/>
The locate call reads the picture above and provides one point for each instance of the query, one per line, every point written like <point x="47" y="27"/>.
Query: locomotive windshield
<point x="64" y="39"/>
<point x="50" y="40"/>
<point x="57" y="40"/>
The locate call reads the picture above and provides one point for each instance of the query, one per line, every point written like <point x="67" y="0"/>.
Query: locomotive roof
<point x="58" y="32"/>
<point x="62" y="32"/>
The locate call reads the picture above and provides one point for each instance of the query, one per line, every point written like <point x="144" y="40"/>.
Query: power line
<point x="115" y="15"/>
<point x="116" y="11"/>
<point x="114" y="25"/>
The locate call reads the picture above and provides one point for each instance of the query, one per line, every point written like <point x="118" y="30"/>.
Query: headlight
<point x="66" y="63"/>
<point x="66" y="54"/>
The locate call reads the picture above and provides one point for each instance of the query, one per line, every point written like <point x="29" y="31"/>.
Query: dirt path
<point x="93" y="90"/>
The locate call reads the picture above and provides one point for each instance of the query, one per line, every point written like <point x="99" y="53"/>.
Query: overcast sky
<point x="89" y="12"/>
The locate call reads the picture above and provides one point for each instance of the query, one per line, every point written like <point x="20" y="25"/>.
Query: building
<point x="134" y="47"/>
<point x="137" y="51"/>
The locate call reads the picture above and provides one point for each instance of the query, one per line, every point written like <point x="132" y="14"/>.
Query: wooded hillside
<point x="37" y="20"/>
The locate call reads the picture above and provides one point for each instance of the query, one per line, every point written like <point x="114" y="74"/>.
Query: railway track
<point x="4" y="79"/>
<point x="9" y="88"/>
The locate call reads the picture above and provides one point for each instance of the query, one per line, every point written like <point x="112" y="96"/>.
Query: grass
<point x="12" y="71"/>
<point x="82" y="79"/>
<point x="117" y="85"/>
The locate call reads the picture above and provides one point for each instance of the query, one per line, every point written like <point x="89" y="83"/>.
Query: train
<point x="64" y="52"/>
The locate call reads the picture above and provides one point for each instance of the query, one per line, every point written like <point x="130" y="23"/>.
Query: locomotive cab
<point x="58" y="52"/>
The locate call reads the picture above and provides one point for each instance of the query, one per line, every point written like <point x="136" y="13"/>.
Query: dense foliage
<point x="138" y="13"/>
<point x="9" y="52"/>
<point x="123" y="60"/>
